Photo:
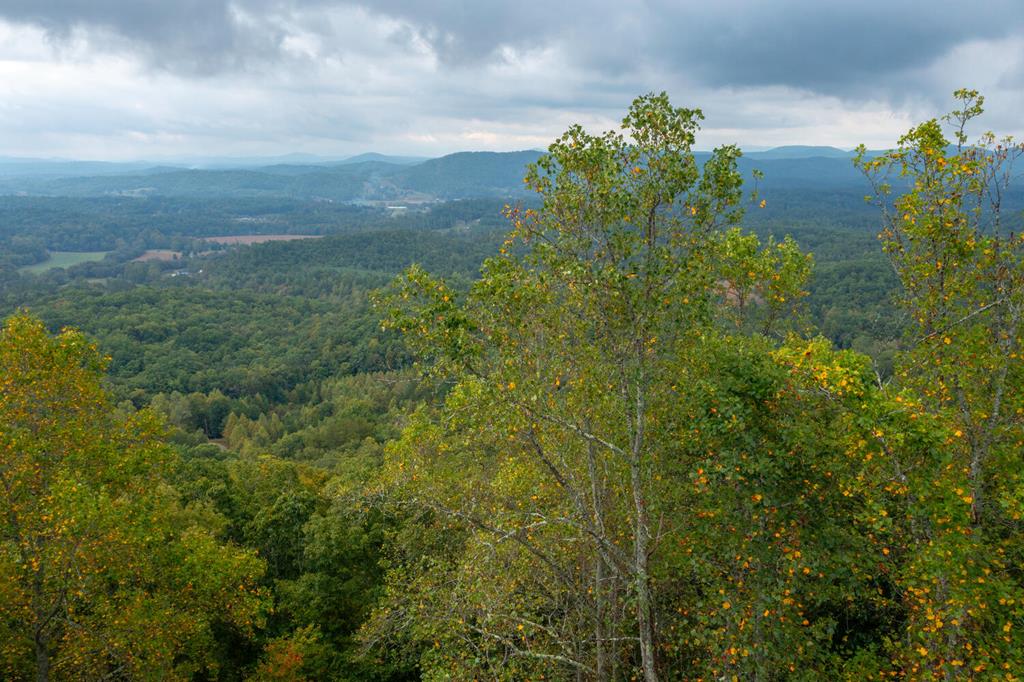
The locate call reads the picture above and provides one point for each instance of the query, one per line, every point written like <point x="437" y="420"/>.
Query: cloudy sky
<point x="150" y="79"/>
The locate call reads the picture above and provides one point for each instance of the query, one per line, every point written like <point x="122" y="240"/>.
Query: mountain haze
<point x="373" y="177"/>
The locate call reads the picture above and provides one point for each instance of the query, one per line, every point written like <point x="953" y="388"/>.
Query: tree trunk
<point x="641" y="523"/>
<point x="600" y="613"/>
<point x="42" y="658"/>
<point x="601" y="673"/>
<point x="644" y="602"/>
<point x="39" y="636"/>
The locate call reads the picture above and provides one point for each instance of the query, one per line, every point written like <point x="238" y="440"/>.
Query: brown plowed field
<point x="158" y="254"/>
<point x="246" y="239"/>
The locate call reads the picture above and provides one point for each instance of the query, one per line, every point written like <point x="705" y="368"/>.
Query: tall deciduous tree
<point x="102" y="573"/>
<point x="961" y="266"/>
<point x="563" y="463"/>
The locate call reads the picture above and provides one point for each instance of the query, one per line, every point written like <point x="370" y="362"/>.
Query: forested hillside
<point x="618" y="411"/>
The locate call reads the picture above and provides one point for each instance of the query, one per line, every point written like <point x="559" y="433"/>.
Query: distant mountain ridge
<point x="800" y="152"/>
<point x="469" y="174"/>
<point x="373" y="177"/>
<point x="385" y="158"/>
<point x="59" y="167"/>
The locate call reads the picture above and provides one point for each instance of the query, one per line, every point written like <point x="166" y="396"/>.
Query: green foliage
<point x="761" y="287"/>
<point x="192" y="339"/>
<point x="103" y="572"/>
<point x="633" y="458"/>
<point x="602" y="427"/>
<point x="961" y="271"/>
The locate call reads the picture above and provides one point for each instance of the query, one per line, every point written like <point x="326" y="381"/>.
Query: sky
<point x="165" y="79"/>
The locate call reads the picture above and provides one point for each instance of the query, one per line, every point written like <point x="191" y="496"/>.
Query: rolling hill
<point x="370" y="178"/>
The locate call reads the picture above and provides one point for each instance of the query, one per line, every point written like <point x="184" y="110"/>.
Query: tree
<point x="103" y="573"/>
<point x="552" y="480"/>
<point x="961" y="270"/>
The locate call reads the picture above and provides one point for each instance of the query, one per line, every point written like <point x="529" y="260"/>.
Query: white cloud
<point x="279" y="76"/>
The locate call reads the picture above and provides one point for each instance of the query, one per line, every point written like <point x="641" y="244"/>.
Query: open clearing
<point x="247" y="239"/>
<point x="158" y="254"/>
<point x="64" y="259"/>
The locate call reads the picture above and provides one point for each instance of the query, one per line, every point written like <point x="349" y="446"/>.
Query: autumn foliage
<point x="631" y="457"/>
<point x="646" y="469"/>
<point x="102" y="572"/>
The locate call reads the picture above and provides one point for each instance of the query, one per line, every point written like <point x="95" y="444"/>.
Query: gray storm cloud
<point x="189" y="35"/>
<point x="823" y="46"/>
<point x="477" y="71"/>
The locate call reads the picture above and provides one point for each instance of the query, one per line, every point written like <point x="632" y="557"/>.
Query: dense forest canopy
<point x="630" y="429"/>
